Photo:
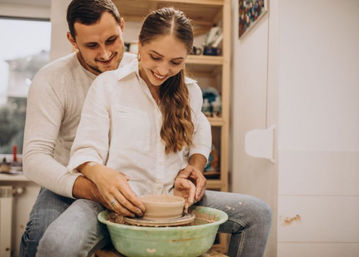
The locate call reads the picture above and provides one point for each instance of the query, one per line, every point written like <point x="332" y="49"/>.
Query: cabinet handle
<point x="259" y="143"/>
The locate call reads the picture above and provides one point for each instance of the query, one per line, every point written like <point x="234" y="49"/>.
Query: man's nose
<point x="105" y="53"/>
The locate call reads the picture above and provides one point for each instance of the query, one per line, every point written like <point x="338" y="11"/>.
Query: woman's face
<point x="161" y="58"/>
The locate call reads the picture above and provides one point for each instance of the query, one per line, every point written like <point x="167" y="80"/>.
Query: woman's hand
<point x="186" y="189"/>
<point x="190" y="184"/>
<point x="195" y="176"/>
<point x="114" y="189"/>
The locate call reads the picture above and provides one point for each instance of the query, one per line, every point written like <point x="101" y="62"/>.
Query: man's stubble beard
<point x="96" y="69"/>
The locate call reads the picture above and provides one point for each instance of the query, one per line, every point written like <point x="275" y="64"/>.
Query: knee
<point x="30" y="239"/>
<point x="77" y="229"/>
<point x="35" y="227"/>
<point x="262" y="213"/>
<point x="58" y="243"/>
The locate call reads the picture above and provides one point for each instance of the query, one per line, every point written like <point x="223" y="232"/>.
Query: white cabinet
<point x="297" y="70"/>
<point x="16" y="200"/>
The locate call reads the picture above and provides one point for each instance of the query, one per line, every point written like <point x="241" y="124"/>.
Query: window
<point x="24" y="49"/>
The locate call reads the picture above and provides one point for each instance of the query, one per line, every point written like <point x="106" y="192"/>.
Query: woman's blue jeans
<point x="60" y="226"/>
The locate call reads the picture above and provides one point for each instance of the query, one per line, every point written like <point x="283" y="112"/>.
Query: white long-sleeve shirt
<point x="120" y="128"/>
<point x="53" y="113"/>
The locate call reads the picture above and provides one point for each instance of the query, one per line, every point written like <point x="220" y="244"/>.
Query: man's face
<point x="100" y="45"/>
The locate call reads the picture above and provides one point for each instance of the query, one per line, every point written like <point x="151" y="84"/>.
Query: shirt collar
<point x="128" y="69"/>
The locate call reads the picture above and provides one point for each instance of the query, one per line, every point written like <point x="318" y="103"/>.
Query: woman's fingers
<point x="132" y="198"/>
<point x="186" y="189"/>
<point x="126" y="203"/>
<point x="117" y="206"/>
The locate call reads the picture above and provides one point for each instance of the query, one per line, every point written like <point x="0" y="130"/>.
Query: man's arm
<point x="44" y="114"/>
<point x="86" y="189"/>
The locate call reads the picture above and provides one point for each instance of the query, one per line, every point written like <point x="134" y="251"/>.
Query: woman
<point x="139" y="129"/>
<point x="141" y="120"/>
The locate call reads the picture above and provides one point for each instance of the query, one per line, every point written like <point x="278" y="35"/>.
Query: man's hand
<point x="85" y="189"/>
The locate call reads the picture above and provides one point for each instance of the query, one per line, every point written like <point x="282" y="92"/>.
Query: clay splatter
<point x="288" y="221"/>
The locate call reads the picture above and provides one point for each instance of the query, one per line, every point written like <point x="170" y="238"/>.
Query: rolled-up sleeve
<point x="202" y="138"/>
<point x="92" y="137"/>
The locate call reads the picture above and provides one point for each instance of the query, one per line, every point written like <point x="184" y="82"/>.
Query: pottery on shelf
<point x="162" y="206"/>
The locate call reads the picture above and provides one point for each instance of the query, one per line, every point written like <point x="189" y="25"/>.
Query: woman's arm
<point x="89" y="151"/>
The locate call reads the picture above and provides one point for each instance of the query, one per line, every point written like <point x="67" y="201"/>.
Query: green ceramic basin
<point x="186" y="241"/>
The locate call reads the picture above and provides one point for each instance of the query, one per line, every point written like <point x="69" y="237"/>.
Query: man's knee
<point x="75" y="241"/>
<point x="77" y="229"/>
<point x="47" y="208"/>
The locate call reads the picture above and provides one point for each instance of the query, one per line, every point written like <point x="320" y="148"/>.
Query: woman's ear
<point x="122" y="24"/>
<point x="139" y="46"/>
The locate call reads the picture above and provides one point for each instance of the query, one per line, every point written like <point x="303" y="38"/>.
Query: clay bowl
<point x="162" y="206"/>
<point x="185" y="241"/>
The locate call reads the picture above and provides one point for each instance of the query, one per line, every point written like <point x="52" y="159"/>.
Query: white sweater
<point x="53" y="113"/>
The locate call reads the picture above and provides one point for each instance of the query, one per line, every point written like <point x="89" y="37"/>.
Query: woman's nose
<point x="163" y="69"/>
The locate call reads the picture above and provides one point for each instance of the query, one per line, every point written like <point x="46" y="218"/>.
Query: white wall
<point x="253" y="107"/>
<point x="60" y="46"/>
<point x="318" y="140"/>
<point x="310" y="89"/>
<point x="26" y="11"/>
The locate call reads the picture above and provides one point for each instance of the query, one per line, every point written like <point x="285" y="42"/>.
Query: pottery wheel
<point x="185" y="219"/>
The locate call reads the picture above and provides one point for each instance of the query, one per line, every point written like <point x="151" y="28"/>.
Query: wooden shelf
<point x="214" y="184"/>
<point x="204" y="65"/>
<point x="201" y="2"/>
<point x="216" y="122"/>
<point x="204" y="60"/>
<point x="136" y="10"/>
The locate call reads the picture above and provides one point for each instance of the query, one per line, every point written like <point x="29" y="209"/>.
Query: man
<point x="54" y="107"/>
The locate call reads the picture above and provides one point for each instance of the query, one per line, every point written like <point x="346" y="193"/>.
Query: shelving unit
<point x="204" y="14"/>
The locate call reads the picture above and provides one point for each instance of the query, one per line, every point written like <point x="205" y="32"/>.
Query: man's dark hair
<point x="89" y="12"/>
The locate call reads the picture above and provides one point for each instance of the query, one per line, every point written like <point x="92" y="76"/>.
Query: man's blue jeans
<point x="60" y="226"/>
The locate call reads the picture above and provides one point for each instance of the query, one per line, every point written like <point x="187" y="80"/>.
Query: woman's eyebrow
<point x="177" y="58"/>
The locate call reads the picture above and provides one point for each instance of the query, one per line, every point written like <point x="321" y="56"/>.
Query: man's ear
<point x="71" y="40"/>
